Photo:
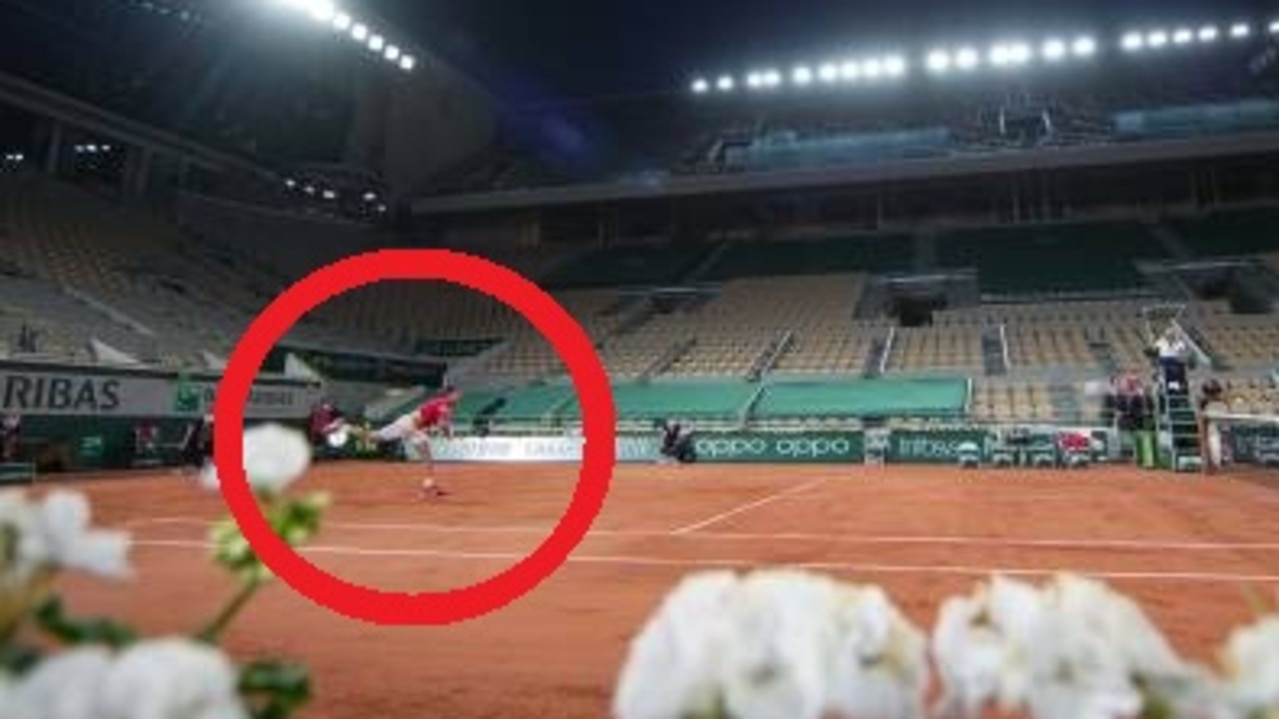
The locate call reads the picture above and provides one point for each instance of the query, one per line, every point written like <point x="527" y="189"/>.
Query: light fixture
<point x="1157" y="39"/>
<point x="772" y="78"/>
<point x="872" y="68"/>
<point x="1084" y="47"/>
<point x="408" y="62"/>
<point x="967" y="59"/>
<point x="829" y="72"/>
<point x="1132" y="42"/>
<point x="359" y="32"/>
<point x="342" y="22"/>
<point x="701" y="86"/>
<point x="802" y="76"/>
<point x="1240" y="30"/>
<point x="376" y="43"/>
<point x="726" y="83"/>
<point x="392" y="53"/>
<point x="938" y="61"/>
<point x="1183" y="36"/>
<point x="850" y="71"/>
<point x="894" y="66"/>
<point x="1054" y="50"/>
<point x="1208" y="33"/>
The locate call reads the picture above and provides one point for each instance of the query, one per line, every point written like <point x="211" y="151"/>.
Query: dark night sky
<point x="543" y="49"/>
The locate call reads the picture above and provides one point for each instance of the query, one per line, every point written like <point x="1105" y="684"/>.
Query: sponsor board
<point x="937" y="447"/>
<point x="533" y="449"/>
<point x="710" y="447"/>
<point x="85" y="393"/>
<point x="780" y="448"/>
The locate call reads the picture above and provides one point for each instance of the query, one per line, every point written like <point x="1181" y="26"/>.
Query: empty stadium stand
<point x="1066" y="258"/>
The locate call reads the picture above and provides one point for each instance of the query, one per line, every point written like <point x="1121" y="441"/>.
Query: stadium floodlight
<point x="392" y="53"/>
<point x="1274" y="27"/>
<point x="321" y="10"/>
<point x="342" y="22"/>
<point x="938" y="61"/>
<point x="701" y="86"/>
<point x="802" y="76"/>
<point x="290" y="183"/>
<point x="829" y="72"/>
<point x="1054" y="50"/>
<point x="850" y="71"/>
<point x="309" y="189"/>
<point x="1240" y="30"/>
<point x="377" y="43"/>
<point x="1019" y="53"/>
<point x="772" y="78"/>
<point x="1157" y="39"/>
<point x="894" y="66"/>
<point x="755" y="80"/>
<point x="1182" y="36"/>
<point x="330" y="195"/>
<point x="872" y="69"/>
<point x="407" y="63"/>
<point x="92" y="149"/>
<point x="1132" y="42"/>
<point x="381" y="209"/>
<point x="1208" y="33"/>
<point x="370" y="196"/>
<point x="1084" y="47"/>
<point x="998" y="55"/>
<point x="359" y="32"/>
<point x="967" y="59"/>
<point x="726" y="83"/>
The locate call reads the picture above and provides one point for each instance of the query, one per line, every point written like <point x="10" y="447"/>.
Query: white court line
<point x="872" y="540"/>
<point x="843" y="567"/>
<point x="777" y="496"/>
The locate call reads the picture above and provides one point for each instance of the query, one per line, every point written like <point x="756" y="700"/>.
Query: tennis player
<point x="415" y="429"/>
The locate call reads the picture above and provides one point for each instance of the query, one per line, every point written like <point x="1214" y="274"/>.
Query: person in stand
<point x="10" y="438"/>
<point x="197" y="445"/>
<point x="1171" y="350"/>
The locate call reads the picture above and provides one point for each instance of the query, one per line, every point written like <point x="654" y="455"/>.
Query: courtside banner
<point x="934" y="447"/>
<point x="780" y="448"/>
<point x="82" y="392"/>
<point x="535" y="449"/>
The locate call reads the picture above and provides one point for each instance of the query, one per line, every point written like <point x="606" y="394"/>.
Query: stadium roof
<point x="535" y="52"/>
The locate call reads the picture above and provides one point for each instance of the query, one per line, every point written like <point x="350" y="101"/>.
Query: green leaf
<point x="275" y="690"/>
<point x="52" y="618"/>
<point x="17" y="658"/>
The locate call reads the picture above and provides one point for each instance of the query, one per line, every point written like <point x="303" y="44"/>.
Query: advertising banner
<point x="82" y="392"/>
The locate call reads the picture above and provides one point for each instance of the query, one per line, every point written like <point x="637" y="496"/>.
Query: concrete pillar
<point x="137" y="171"/>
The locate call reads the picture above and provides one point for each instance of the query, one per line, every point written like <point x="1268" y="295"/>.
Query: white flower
<point x="776" y="665"/>
<point x="1073" y="650"/>
<point x="72" y="545"/>
<point x="673" y="666"/>
<point x="171" y="679"/>
<point x="773" y="644"/>
<point x="980" y="646"/>
<point x="274" y="458"/>
<point x="1251" y="658"/>
<point x="55" y="535"/>
<point x="66" y="686"/>
<point x="878" y="668"/>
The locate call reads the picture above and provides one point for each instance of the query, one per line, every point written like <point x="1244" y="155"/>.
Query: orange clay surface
<point x="1185" y="547"/>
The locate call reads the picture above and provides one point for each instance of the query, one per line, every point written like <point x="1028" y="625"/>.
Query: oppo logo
<point x="779" y="448"/>
<point x="734" y="447"/>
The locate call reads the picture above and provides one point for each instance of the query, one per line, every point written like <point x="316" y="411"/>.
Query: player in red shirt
<point x="416" y="427"/>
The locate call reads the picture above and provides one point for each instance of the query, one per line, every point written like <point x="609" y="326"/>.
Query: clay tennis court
<point x="1187" y="548"/>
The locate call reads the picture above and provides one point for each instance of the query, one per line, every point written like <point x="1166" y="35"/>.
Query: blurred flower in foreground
<point x="1251" y="659"/>
<point x="163" y="679"/>
<point x="275" y="457"/>
<point x="773" y="644"/>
